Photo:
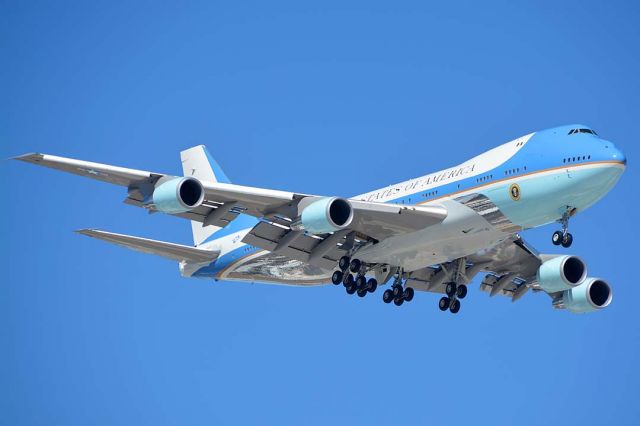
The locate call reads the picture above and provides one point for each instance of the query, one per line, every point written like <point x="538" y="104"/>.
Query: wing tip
<point x="31" y="157"/>
<point x="87" y="231"/>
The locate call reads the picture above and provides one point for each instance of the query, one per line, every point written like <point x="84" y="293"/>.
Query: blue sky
<point x="331" y="98"/>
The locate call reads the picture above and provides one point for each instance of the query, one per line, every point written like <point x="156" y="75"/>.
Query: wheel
<point x="343" y="263"/>
<point x="567" y="240"/>
<point x="361" y="282"/>
<point x="362" y="292"/>
<point x="347" y="280"/>
<point x="397" y="291"/>
<point x="351" y="289"/>
<point x="461" y="292"/>
<point x="336" y="278"/>
<point x="372" y="285"/>
<point x="454" y="307"/>
<point x="450" y="289"/>
<point x="355" y="265"/>
<point x="556" y="238"/>
<point x="407" y="294"/>
<point x="387" y="296"/>
<point x="398" y="301"/>
<point x="443" y="304"/>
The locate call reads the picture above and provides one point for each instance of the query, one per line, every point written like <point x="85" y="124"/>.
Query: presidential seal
<point x="514" y="191"/>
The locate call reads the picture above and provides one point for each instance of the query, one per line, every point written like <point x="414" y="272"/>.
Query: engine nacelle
<point x="591" y="295"/>
<point x="561" y="273"/>
<point x="178" y="195"/>
<point x="326" y="215"/>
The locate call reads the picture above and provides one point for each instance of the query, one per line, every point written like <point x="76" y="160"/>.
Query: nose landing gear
<point x="563" y="237"/>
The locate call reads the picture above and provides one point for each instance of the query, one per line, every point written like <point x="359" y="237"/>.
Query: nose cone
<point x="612" y="153"/>
<point x="618" y="155"/>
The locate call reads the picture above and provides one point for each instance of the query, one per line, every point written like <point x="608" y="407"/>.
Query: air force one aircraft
<point x="434" y="233"/>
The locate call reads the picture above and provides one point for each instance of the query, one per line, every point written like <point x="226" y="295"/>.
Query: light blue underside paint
<point x="543" y="199"/>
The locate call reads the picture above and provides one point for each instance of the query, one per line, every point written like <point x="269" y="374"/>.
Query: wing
<point x="223" y="202"/>
<point x="510" y="266"/>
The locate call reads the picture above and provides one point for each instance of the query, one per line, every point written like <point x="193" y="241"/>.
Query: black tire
<point x="556" y="238"/>
<point x="347" y="280"/>
<point x="361" y="282"/>
<point x="336" y="278"/>
<point x="351" y="289"/>
<point x="461" y="292"/>
<point x="372" y="285"/>
<point x="387" y="296"/>
<point x="450" y="289"/>
<point x="397" y="291"/>
<point x="407" y="294"/>
<point x="398" y="301"/>
<point x="443" y="304"/>
<point x="343" y="263"/>
<point x="454" y="307"/>
<point x="567" y="241"/>
<point x="355" y="265"/>
<point x="362" y="293"/>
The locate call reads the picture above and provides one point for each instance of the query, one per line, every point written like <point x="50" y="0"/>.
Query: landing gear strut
<point x="398" y="294"/>
<point x="563" y="237"/>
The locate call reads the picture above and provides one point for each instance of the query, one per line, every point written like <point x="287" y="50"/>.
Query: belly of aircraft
<point x="272" y="268"/>
<point x="462" y="233"/>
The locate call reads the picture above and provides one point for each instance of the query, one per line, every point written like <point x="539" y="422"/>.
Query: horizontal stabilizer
<point x="171" y="251"/>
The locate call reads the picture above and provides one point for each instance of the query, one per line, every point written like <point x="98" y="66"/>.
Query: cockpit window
<point x="589" y="131"/>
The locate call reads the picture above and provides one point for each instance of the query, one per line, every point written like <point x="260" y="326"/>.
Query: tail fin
<point x="197" y="162"/>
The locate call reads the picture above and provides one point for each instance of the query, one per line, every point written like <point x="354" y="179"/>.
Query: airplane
<point x="434" y="233"/>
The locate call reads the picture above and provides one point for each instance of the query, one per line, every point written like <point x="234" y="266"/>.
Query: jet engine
<point x="591" y="295"/>
<point x="178" y="195"/>
<point x="326" y="215"/>
<point x="561" y="273"/>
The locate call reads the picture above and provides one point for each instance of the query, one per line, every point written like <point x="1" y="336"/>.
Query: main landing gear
<point x="397" y="293"/>
<point x="451" y="301"/>
<point x="353" y="284"/>
<point x="563" y="237"/>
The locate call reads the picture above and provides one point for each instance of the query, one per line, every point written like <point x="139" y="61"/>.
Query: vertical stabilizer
<point x="197" y="162"/>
